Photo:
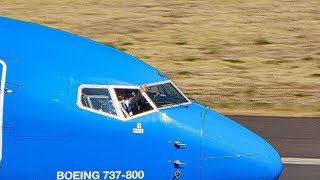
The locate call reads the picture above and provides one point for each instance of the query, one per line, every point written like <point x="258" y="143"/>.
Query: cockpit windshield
<point x="164" y="95"/>
<point x="124" y="102"/>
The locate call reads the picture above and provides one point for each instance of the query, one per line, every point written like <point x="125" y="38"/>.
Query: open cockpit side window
<point x="121" y="102"/>
<point x="131" y="101"/>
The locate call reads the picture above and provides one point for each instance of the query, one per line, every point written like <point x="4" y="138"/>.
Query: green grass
<point x="181" y="42"/>
<point x="213" y="51"/>
<point x="233" y="60"/>
<point x="300" y="36"/>
<point x="294" y="67"/>
<point x="191" y="58"/>
<point x="184" y="73"/>
<point x="126" y="43"/>
<point x="262" y="41"/>
<point x="250" y="91"/>
<point x="308" y="58"/>
<point x="301" y="94"/>
<point x="315" y="75"/>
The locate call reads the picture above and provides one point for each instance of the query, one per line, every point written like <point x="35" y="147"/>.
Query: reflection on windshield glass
<point x="98" y="99"/>
<point x="165" y="95"/>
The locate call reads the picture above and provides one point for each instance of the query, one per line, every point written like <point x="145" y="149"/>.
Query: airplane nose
<point x="230" y="151"/>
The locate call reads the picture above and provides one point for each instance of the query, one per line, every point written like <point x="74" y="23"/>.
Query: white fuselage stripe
<point x="2" y="89"/>
<point x="301" y="161"/>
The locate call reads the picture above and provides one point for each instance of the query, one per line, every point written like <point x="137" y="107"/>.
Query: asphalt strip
<point x="302" y="161"/>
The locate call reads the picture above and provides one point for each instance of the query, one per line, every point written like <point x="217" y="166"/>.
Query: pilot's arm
<point x="137" y="97"/>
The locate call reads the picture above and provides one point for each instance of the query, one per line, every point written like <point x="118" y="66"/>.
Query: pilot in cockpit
<point x="129" y="98"/>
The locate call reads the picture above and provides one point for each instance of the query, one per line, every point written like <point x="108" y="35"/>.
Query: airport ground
<point x="296" y="139"/>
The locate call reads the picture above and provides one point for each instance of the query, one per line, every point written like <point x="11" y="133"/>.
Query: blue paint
<point x="45" y="131"/>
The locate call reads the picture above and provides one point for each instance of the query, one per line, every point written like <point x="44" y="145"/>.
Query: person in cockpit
<point x="128" y="100"/>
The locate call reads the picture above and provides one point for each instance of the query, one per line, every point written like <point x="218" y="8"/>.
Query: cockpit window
<point x="164" y="95"/>
<point x="98" y="99"/>
<point x="131" y="101"/>
<point x="126" y="102"/>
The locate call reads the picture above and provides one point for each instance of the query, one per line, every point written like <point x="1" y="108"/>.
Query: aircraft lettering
<point x="97" y="175"/>
<point x="78" y="175"/>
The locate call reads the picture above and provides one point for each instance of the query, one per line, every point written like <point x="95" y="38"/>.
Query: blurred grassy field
<point x="256" y="57"/>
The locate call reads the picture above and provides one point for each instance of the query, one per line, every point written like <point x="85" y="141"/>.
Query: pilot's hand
<point x="143" y="88"/>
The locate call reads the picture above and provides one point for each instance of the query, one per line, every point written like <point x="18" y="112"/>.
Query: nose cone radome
<point x="230" y="151"/>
